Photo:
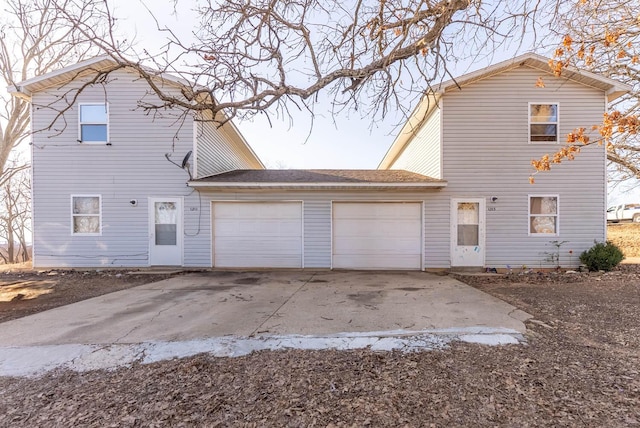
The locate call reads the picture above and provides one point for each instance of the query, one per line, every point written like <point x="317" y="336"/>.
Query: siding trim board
<point x="194" y="156"/>
<point x="322" y="186"/>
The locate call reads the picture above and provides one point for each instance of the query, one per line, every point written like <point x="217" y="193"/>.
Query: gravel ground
<point x="580" y="368"/>
<point x="26" y="292"/>
<point x="626" y="236"/>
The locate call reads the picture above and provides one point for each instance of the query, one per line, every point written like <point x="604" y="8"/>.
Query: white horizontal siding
<point x="423" y="155"/>
<point x="215" y="152"/>
<point x="486" y="153"/>
<point x="134" y="166"/>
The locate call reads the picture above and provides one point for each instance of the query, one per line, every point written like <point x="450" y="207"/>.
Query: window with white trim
<point x="543" y="215"/>
<point x="86" y="214"/>
<point x="93" y="123"/>
<point x="543" y="123"/>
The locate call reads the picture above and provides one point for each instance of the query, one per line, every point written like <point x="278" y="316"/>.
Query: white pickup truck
<point x="624" y="212"/>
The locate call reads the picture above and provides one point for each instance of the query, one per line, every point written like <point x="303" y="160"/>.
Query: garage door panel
<point x="253" y="210"/>
<point x="377" y="235"/>
<point x="397" y="228"/>
<point x="233" y="261"/>
<point x="373" y="246"/>
<point x="375" y="210"/>
<point x="246" y="245"/>
<point x="255" y="234"/>
<point x="258" y="226"/>
<point x="367" y="261"/>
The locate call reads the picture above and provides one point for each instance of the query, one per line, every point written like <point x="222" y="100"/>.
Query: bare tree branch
<point x="246" y="58"/>
<point x="34" y="39"/>
<point x="604" y="37"/>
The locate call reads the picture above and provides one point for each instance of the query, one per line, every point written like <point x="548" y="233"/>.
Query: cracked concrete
<point x="36" y="360"/>
<point x="287" y="305"/>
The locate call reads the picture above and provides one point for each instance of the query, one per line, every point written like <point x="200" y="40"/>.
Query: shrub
<point x="602" y="256"/>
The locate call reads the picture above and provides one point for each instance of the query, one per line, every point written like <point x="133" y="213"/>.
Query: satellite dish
<point x="186" y="159"/>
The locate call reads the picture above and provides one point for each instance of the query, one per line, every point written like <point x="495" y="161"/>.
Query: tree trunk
<point x="10" y="244"/>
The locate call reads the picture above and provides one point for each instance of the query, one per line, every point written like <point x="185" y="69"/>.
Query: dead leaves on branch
<point x="611" y="40"/>
<point x="614" y="122"/>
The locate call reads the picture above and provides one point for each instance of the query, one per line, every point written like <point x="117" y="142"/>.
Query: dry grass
<point x="627" y="237"/>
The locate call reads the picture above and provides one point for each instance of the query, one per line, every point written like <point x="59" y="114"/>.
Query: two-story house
<point x="113" y="186"/>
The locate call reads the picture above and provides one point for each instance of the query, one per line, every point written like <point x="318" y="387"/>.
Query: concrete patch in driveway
<point x="231" y="313"/>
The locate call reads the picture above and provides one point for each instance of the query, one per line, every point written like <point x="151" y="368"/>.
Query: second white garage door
<point x="257" y="234"/>
<point x="377" y="235"/>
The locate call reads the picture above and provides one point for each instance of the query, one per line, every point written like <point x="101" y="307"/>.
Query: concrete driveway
<point x="261" y="305"/>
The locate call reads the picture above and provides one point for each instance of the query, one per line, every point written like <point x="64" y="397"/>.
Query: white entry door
<point x="257" y="234"/>
<point x="377" y="235"/>
<point x="165" y="231"/>
<point x="468" y="232"/>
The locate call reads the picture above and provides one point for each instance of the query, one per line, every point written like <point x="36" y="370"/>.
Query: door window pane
<point x="166" y="213"/>
<point x="166" y="216"/>
<point x="468" y="223"/>
<point x="166" y="234"/>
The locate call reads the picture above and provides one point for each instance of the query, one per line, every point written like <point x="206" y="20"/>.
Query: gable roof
<point x="612" y="88"/>
<point x="87" y="67"/>
<point x="319" y="179"/>
<point x="106" y="63"/>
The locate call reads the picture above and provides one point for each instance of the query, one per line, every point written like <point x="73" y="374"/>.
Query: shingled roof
<point x="319" y="179"/>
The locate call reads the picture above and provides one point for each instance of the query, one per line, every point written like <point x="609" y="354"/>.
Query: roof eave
<point x="316" y="186"/>
<point x="19" y="92"/>
<point x="428" y="103"/>
<point x="617" y="91"/>
<point x="613" y="88"/>
<point x="75" y="67"/>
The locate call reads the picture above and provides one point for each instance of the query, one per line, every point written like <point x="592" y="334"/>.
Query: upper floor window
<point x="543" y="215"/>
<point x="85" y="214"/>
<point x="93" y="123"/>
<point x="543" y="123"/>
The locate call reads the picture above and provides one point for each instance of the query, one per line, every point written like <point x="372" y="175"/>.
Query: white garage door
<point x="257" y="234"/>
<point x="377" y="235"/>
